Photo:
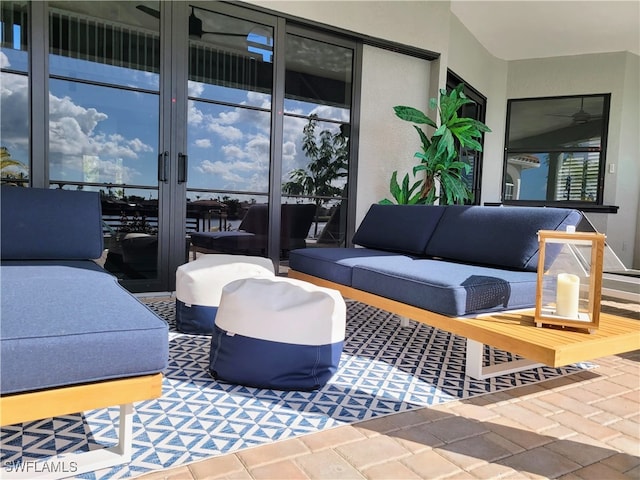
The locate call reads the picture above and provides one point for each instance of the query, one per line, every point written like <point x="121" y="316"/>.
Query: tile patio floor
<point x="581" y="426"/>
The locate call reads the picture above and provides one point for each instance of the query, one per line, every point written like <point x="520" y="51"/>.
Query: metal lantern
<point x="569" y="289"/>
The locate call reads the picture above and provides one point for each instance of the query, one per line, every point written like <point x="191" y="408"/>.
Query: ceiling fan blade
<point x="149" y="11"/>
<point x="244" y="35"/>
<point x="195" y="23"/>
<point x="195" y="27"/>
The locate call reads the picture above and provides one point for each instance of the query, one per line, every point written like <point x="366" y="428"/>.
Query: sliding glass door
<point x="194" y="121"/>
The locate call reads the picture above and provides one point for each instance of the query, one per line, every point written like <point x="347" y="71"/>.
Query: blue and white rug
<point x="384" y="369"/>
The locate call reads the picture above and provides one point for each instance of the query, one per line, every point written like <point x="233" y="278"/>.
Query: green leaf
<point x="412" y="115"/>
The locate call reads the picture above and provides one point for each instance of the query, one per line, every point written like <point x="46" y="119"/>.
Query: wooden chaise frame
<point x="29" y="406"/>
<point x="513" y="332"/>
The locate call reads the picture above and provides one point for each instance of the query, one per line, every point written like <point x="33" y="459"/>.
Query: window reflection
<point x="105" y="50"/>
<point x="228" y="148"/>
<point x="14" y="100"/>
<point x="102" y="135"/>
<point x="14" y="130"/>
<point x="321" y="174"/>
<point x="318" y="78"/>
<point x="555" y="149"/>
<point x="229" y="57"/>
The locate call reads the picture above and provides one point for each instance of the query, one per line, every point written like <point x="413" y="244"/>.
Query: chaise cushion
<point x="38" y="224"/>
<point x="69" y="323"/>
<point x="497" y="236"/>
<point x="449" y="288"/>
<point x="398" y="228"/>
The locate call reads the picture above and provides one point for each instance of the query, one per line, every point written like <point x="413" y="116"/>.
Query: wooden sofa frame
<point x="30" y="406"/>
<point x="514" y="332"/>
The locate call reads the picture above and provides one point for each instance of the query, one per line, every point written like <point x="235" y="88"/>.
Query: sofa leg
<point x="74" y="464"/>
<point x="475" y="367"/>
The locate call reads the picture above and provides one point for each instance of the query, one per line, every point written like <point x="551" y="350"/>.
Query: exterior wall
<point x="487" y="74"/>
<point x="386" y="142"/>
<point x="615" y="73"/>
<point x="432" y="26"/>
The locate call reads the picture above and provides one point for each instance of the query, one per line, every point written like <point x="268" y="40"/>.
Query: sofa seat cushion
<point x="332" y="263"/>
<point x="497" y="236"/>
<point x="449" y="288"/>
<point x="398" y="228"/>
<point x="73" y="323"/>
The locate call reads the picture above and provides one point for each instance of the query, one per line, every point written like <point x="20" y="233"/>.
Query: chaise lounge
<point x="86" y="343"/>
<point x="251" y="236"/>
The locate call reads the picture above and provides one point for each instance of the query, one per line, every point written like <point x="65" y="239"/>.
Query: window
<point x="555" y="150"/>
<point x="14" y="94"/>
<point x="476" y="111"/>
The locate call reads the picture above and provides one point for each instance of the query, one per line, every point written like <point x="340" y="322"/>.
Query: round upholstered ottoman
<point x="277" y="333"/>
<point x="199" y="286"/>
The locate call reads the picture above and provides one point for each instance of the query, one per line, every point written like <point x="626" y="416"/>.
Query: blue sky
<point x="103" y="134"/>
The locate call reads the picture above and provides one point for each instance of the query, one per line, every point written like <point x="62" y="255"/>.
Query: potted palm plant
<point x="439" y="155"/>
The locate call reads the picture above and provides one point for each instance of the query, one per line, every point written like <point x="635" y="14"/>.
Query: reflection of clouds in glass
<point x="14" y="90"/>
<point x="226" y="132"/>
<point x="325" y="111"/>
<point x="64" y="112"/>
<point x="195" y="89"/>
<point x="74" y="136"/>
<point x="4" y="61"/>
<point x="256" y="99"/>
<point x="233" y="151"/>
<point x="244" y="141"/>
<point x="228" y="171"/>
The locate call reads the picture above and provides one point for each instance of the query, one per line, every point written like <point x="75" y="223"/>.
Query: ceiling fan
<point x="195" y="23"/>
<point x="581" y="116"/>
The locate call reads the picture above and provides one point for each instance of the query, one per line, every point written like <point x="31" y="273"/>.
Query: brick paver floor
<point x="581" y="426"/>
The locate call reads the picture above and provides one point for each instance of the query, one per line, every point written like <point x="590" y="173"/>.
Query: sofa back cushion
<point x="497" y="236"/>
<point x="398" y="228"/>
<point x="42" y="224"/>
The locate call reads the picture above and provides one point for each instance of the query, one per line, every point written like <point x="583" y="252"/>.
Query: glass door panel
<point x="104" y="114"/>
<point x="14" y="121"/>
<point x="228" y="133"/>
<point x="317" y="103"/>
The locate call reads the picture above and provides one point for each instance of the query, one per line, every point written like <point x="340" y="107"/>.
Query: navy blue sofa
<point x="67" y="325"/>
<point x="452" y="260"/>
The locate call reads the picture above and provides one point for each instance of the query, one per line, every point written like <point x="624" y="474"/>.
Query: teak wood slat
<point x="25" y="407"/>
<point x="514" y="332"/>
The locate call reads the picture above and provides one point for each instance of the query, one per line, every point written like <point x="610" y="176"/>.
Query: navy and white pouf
<point x="199" y="287"/>
<point x="277" y="333"/>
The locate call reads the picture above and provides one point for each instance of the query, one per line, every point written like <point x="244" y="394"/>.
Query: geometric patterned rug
<point x="384" y="369"/>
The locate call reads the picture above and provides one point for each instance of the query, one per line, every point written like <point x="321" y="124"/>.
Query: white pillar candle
<point x="567" y="295"/>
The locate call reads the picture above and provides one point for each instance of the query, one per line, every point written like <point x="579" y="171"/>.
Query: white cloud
<point x="74" y="136"/>
<point x="257" y="99"/>
<point x="195" y="89"/>
<point x="194" y="116"/>
<point x="233" y="151"/>
<point x="203" y="143"/>
<point x="228" y="133"/>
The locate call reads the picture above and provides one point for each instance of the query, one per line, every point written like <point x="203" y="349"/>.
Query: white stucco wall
<point x="419" y="24"/>
<point x="386" y="142"/>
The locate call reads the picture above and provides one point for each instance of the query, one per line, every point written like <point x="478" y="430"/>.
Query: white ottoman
<point x="199" y="286"/>
<point x="278" y="333"/>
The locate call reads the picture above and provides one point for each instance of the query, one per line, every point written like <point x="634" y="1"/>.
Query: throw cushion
<point x="497" y="236"/>
<point x="398" y="228"/>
